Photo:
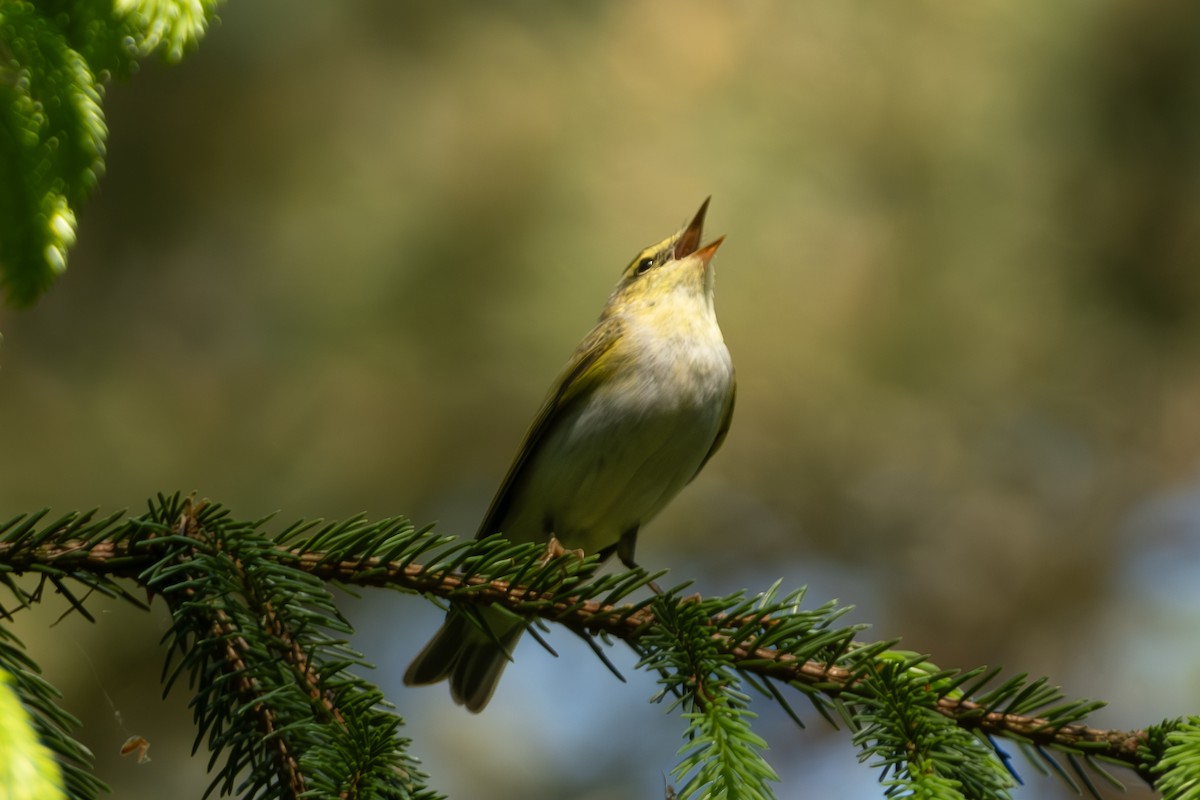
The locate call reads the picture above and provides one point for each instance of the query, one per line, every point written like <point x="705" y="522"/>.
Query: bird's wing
<point x="577" y="381"/>
<point x="723" y="431"/>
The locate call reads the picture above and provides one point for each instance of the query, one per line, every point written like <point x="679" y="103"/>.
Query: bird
<point x="639" y="409"/>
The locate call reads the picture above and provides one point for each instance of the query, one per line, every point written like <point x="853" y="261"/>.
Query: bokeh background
<point x="342" y="250"/>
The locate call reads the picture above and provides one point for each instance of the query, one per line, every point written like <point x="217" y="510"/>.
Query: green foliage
<point x="261" y="643"/>
<point x="266" y="653"/>
<point x="723" y="757"/>
<point x="50" y="723"/>
<point x="263" y="648"/>
<point x="54" y="59"/>
<point x="922" y="752"/>
<point x="27" y="768"/>
<point x="1180" y="763"/>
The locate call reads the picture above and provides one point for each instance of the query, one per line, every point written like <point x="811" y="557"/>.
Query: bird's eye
<point x="644" y="266"/>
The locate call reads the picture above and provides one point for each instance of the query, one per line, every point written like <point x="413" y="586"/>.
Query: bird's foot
<point x="555" y="549"/>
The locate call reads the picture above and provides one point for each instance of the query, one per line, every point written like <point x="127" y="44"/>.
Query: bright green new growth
<point x="27" y="767"/>
<point x="55" y="57"/>
<point x="1180" y="764"/>
<point x="35" y="729"/>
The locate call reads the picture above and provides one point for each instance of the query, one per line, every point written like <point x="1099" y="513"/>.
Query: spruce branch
<point x="253" y="623"/>
<point x="264" y="647"/>
<point x="1179" y="762"/>
<point x="625" y="622"/>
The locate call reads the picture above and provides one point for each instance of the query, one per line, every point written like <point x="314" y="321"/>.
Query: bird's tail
<point x="472" y="653"/>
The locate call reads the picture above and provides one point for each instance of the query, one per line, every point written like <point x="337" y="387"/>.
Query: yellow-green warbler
<point x="641" y="406"/>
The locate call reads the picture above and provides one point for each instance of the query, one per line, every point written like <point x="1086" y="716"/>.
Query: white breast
<point x="634" y="443"/>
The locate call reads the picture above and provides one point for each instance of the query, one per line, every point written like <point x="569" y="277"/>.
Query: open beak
<point x="689" y="240"/>
<point x="705" y="253"/>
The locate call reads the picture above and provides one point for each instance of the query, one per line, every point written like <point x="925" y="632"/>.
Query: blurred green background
<point x="342" y="250"/>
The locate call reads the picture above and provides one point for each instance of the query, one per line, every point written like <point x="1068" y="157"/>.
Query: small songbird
<point x="639" y="409"/>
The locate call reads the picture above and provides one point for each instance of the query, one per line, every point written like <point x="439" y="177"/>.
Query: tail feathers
<point x="473" y="659"/>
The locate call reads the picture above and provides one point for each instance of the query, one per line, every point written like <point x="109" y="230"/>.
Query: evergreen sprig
<point x="722" y="757"/>
<point x="1179" y="764"/>
<point x="922" y="752"/>
<point x="263" y="647"/>
<point x="265" y="650"/>
<point x="27" y="766"/>
<point x="55" y="56"/>
<point x="51" y="724"/>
